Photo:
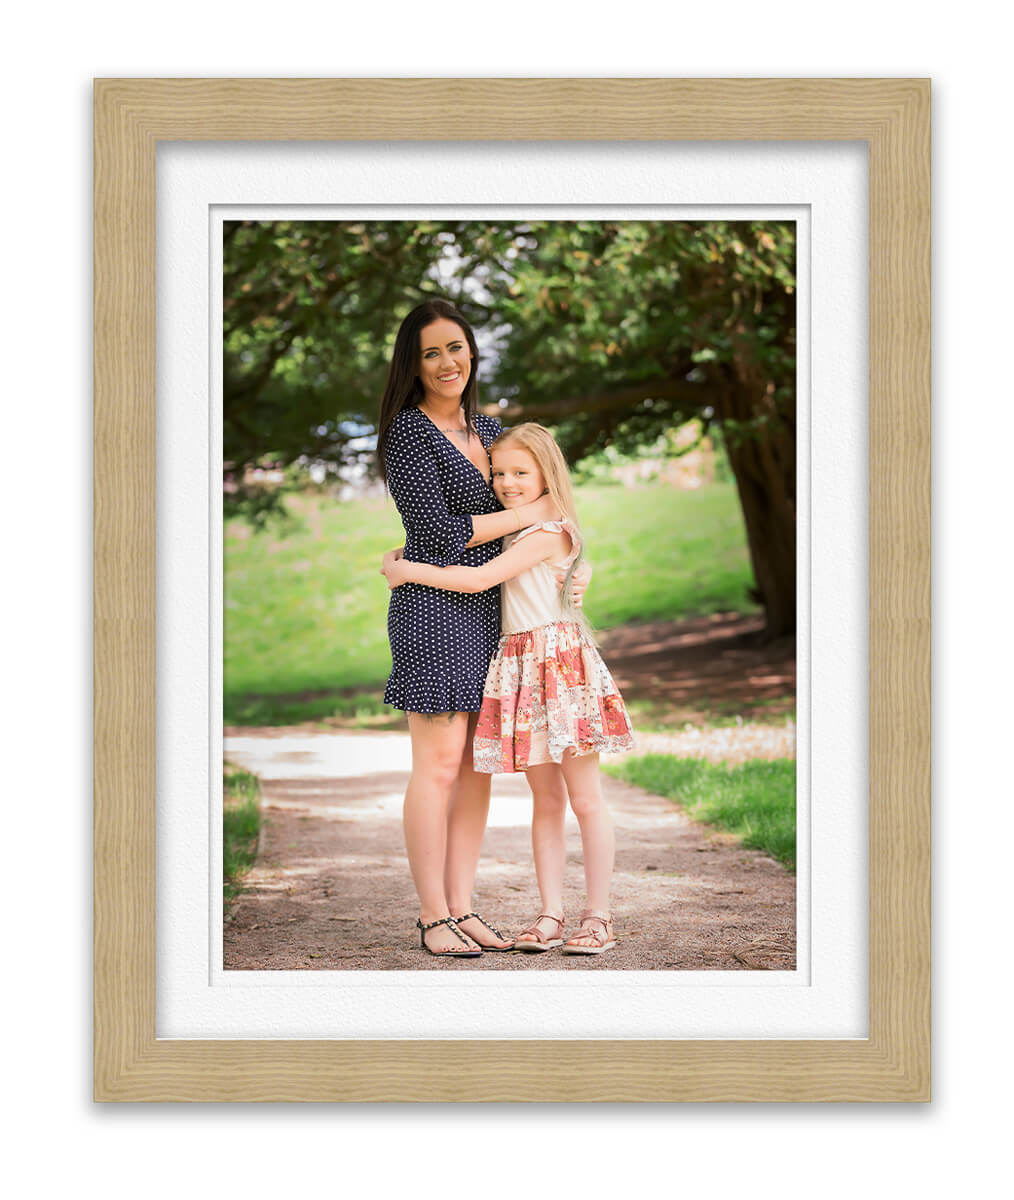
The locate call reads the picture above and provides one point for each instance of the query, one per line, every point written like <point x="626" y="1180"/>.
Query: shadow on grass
<point x="337" y="709"/>
<point x="756" y="800"/>
<point x="705" y="671"/>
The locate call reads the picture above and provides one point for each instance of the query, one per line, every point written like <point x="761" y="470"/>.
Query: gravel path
<point x="331" y="888"/>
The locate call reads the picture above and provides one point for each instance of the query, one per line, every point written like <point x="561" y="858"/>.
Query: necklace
<point x="465" y="433"/>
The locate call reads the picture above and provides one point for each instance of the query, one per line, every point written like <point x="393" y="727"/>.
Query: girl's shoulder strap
<point x="561" y="526"/>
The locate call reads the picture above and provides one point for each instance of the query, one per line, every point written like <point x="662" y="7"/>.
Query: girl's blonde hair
<point x="541" y="445"/>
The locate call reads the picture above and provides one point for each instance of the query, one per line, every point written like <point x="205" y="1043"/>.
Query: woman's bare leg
<point x="466" y="825"/>
<point x="598" y="842"/>
<point x="438" y="741"/>
<point x="549" y="811"/>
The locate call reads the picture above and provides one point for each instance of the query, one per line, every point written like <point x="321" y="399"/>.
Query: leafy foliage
<point x="310" y="310"/>
<point x="612" y="332"/>
<point x="618" y="330"/>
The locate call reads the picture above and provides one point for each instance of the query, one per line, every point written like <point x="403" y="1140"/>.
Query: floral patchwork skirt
<point x="548" y="694"/>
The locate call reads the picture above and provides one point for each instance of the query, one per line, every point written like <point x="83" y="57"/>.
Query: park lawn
<point x="241" y="825"/>
<point x="755" y="800"/>
<point x="663" y="715"/>
<point x="660" y="553"/>
<point x="305" y="624"/>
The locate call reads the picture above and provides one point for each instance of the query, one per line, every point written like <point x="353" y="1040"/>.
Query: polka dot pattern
<point x="441" y="642"/>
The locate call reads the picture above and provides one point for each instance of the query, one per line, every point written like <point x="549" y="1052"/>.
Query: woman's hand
<point x="390" y="557"/>
<point x="542" y="509"/>
<point x="579" y="583"/>
<point x="396" y="571"/>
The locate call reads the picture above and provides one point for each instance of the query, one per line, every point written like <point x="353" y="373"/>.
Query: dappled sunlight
<point x="701" y="670"/>
<point x="321" y="755"/>
<point x="735" y="743"/>
<point x="332" y="888"/>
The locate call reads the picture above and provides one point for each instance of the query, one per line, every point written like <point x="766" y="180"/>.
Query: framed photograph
<point x="186" y="171"/>
<point x="571" y="310"/>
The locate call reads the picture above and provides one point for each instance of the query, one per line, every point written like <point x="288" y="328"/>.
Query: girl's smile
<point x="516" y="476"/>
<point x="445" y="361"/>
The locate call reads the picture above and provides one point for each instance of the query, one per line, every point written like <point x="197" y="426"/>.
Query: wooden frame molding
<point x="893" y="117"/>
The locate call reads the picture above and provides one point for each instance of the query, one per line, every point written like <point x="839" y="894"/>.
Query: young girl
<point x="549" y="704"/>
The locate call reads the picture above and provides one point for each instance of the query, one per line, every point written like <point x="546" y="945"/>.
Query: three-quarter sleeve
<point x="413" y="479"/>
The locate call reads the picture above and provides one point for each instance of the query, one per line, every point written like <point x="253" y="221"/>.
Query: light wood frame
<point x="893" y="117"/>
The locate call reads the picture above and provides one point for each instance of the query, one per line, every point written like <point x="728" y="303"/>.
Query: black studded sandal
<point x="468" y="952"/>
<point x="495" y="932"/>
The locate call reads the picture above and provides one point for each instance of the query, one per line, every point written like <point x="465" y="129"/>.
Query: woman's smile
<point x="445" y="361"/>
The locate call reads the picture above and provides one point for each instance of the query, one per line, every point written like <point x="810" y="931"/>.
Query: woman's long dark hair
<point x="404" y="389"/>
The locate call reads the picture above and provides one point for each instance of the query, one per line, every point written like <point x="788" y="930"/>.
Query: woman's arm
<point x="413" y="479"/>
<point x="487" y="527"/>
<point x="414" y="482"/>
<point x="522" y="556"/>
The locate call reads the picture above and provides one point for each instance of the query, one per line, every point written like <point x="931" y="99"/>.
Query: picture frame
<point x="892" y="116"/>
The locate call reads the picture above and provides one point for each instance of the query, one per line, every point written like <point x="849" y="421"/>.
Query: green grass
<point x="361" y="710"/>
<point x="663" y="716"/>
<point x="241" y="823"/>
<point x="306" y="614"/>
<point x="662" y="554"/>
<point x="754" y="800"/>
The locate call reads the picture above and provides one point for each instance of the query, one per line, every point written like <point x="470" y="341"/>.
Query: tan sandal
<point x="542" y="941"/>
<point x="602" y="940"/>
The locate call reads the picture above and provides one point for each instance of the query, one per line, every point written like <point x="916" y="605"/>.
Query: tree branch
<point x="692" y="395"/>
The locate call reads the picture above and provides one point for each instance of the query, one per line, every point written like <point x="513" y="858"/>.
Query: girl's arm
<point x="487" y="527"/>
<point x="522" y="556"/>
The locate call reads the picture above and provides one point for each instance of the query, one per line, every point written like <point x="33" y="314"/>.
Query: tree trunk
<point x="763" y="461"/>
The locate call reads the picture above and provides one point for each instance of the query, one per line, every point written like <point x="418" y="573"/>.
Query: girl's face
<point x="445" y="361"/>
<point x="516" y="476"/>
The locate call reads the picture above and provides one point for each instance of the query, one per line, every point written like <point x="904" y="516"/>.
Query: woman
<point x="431" y="449"/>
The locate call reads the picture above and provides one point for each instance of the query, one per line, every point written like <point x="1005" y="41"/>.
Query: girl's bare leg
<point x="549" y="811"/>
<point x="466" y="825"/>
<point x="438" y="742"/>
<point x="598" y="841"/>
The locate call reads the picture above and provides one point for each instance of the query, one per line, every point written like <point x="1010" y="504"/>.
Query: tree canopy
<point x="610" y="331"/>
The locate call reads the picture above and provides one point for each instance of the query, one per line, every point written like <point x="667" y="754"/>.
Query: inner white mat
<point x="823" y="187"/>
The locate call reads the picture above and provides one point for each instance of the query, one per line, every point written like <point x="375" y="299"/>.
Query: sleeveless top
<point x="533" y="598"/>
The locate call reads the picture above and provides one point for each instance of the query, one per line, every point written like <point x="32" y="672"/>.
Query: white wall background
<point x="59" y="1138"/>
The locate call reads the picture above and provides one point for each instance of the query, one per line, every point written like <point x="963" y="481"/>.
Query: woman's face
<point x="516" y="476"/>
<point x="445" y="361"/>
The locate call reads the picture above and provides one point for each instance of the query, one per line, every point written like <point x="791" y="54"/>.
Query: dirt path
<point x="331" y="889"/>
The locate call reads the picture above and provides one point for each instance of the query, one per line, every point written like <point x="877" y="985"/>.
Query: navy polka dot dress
<point x="441" y="642"/>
